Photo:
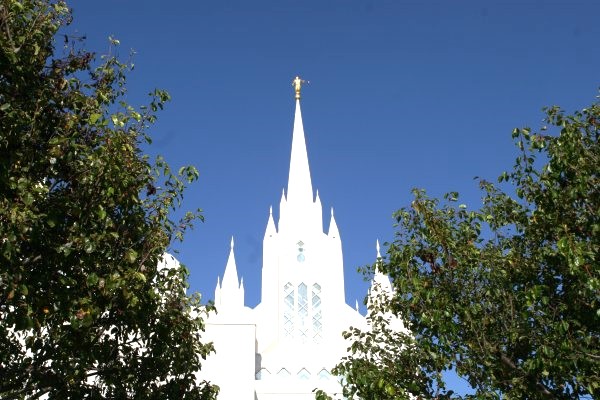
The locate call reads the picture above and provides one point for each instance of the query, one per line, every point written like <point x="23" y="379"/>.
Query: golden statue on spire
<point x="297" y="84"/>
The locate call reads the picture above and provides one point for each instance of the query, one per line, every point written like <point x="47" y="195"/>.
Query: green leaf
<point x="94" y="117"/>
<point x="131" y="255"/>
<point x="390" y="390"/>
<point x="28" y="199"/>
<point x="563" y="245"/>
<point x="92" y="279"/>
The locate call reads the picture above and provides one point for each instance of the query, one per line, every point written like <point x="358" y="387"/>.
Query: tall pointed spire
<point x="381" y="282"/>
<point x="230" y="277"/>
<point x="299" y="182"/>
<point x="229" y="295"/>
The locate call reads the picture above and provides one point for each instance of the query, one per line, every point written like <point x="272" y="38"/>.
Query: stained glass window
<point x="303" y="312"/>
<point x="302" y="315"/>
<point x="288" y="310"/>
<point x="317" y="325"/>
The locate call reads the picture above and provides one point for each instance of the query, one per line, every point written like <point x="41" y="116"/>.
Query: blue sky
<point x="403" y="94"/>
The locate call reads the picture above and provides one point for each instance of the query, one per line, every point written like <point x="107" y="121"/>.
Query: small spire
<point x="381" y="283"/>
<point x="377" y="247"/>
<point x="218" y="292"/>
<point x="271" y="230"/>
<point x="230" y="277"/>
<point x="333" y="228"/>
<point x="356" y="306"/>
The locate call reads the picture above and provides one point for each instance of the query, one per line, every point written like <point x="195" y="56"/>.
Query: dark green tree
<point x="85" y="309"/>
<point x="507" y="296"/>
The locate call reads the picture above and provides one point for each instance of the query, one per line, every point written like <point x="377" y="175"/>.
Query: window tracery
<point x="288" y="310"/>
<point x="317" y="325"/>
<point x="302" y="315"/>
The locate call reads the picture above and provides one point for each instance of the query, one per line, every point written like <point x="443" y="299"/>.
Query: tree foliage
<point x="507" y="296"/>
<point x="85" y="309"/>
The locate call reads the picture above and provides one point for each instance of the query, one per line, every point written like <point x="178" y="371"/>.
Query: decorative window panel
<point x="302" y="315"/>
<point x="288" y="310"/>
<point x="317" y="323"/>
<point x="303" y="312"/>
<point x="324" y="375"/>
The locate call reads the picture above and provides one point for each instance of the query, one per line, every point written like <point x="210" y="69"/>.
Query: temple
<point x="285" y="347"/>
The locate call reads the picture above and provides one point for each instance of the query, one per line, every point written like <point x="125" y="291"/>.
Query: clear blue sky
<point x="403" y="94"/>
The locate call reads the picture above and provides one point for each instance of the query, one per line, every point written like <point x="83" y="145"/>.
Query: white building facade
<point x="285" y="347"/>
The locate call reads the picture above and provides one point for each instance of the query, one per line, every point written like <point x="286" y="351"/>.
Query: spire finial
<point x="232" y="242"/>
<point x="297" y="84"/>
<point x="377" y="247"/>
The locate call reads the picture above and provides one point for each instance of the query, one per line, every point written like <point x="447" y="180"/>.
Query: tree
<point x="85" y="309"/>
<point x="507" y="296"/>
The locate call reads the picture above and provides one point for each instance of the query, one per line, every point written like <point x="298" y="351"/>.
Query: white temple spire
<point x="299" y="182"/>
<point x="231" y="292"/>
<point x="218" y="291"/>
<point x="381" y="283"/>
<point x="333" y="228"/>
<point x="271" y="230"/>
<point x="230" y="277"/>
